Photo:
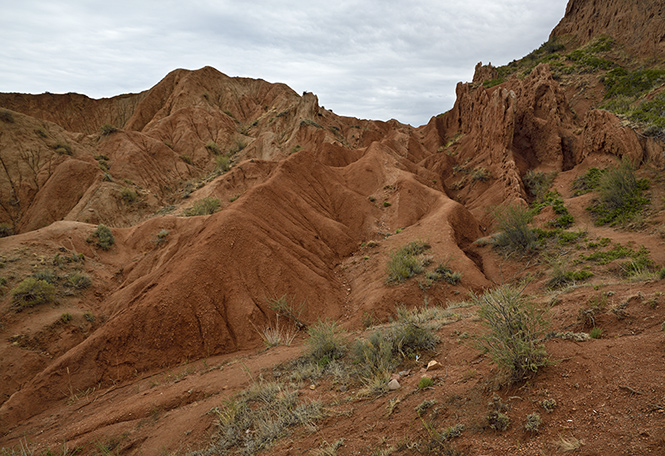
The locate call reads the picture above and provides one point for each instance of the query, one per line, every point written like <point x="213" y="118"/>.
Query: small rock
<point x="394" y="385"/>
<point x="312" y="387"/>
<point x="433" y="365"/>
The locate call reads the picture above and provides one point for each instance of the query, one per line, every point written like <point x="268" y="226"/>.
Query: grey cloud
<point x="371" y="59"/>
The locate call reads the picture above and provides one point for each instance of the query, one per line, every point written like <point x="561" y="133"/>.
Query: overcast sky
<point x="373" y="59"/>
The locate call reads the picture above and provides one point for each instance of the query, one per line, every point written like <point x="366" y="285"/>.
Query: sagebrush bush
<point x="619" y="195"/>
<point x="533" y="423"/>
<point x="326" y="341"/>
<point x="128" y="195"/>
<point x="32" y="292"/>
<point x="373" y="356"/>
<point x="204" y="206"/>
<point x="515" y="234"/>
<point x="6" y="116"/>
<point x="588" y="181"/>
<point x="515" y="329"/>
<point x="537" y="183"/>
<point x="447" y="274"/>
<point x="383" y="350"/>
<point x="6" y="230"/>
<point x="78" y="280"/>
<point x="107" y="129"/>
<point x="223" y="163"/>
<point x="63" y="149"/>
<point x="407" y="262"/>
<point x="102" y="237"/>
<point x="213" y="147"/>
<point x="47" y="275"/>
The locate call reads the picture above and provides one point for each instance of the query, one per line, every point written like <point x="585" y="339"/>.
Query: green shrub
<point x="425" y="405"/>
<point x="160" y="237"/>
<point x="6" y="230"/>
<point x="409" y="339"/>
<point x="204" y="206"/>
<point x="493" y="82"/>
<point x="213" y="147"/>
<point x="326" y="342"/>
<point x="407" y="262"/>
<point x="587" y="58"/>
<point x="223" y="163"/>
<point x="283" y="307"/>
<point x="425" y="382"/>
<point x="588" y="182"/>
<point x="537" y="183"/>
<point x="63" y="149"/>
<point x="32" y="292"/>
<point x="238" y="146"/>
<point x="383" y="350"/>
<point x="267" y="410"/>
<point x="533" y="422"/>
<point x="107" y="129"/>
<point x="6" y="116"/>
<point x="621" y="82"/>
<point x="562" y="277"/>
<point x="595" y="333"/>
<point x="651" y="112"/>
<point x="480" y="174"/>
<point x="570" y="237"/>
<point x="515" y="330"/>
<point x="78" y="280"/>
<point x="514" y="231"/>
<point x="373" y="356"/>
<point x="498" y="421"/>
<point x="66" y="317"/>
<point x="447" y="274"/>
<point x="548" y="404"/>
<point x="102" y="237"/>
<point x="619" y="196"/>
<point x="128" y="195"/>
<point x="639" y="264"/>
<point x="47" y="275"/>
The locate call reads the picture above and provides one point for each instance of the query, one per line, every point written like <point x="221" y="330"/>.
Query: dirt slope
<point x="312" y="207"/>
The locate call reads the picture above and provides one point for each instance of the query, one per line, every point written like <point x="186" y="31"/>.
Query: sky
<point x="371" y="59"/>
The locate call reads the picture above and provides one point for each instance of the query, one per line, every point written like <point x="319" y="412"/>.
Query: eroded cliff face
<point x="302" y="193"/>
<point x="638" y="24"/>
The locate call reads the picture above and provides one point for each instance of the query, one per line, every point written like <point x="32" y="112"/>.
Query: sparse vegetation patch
<point x="515" y="331"/>
<point x="204" y="206"/>
<point x="515" y="234"/>
<point x="407" y="262"/>
<point x="253" y="420"/>
<point x="107" y="129"/>
<point x="102" y="237"/>
<point x="619" y="196"/>
<point x="32" y="292"/>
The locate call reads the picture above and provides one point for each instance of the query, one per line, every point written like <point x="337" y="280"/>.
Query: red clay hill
<point x="224" y="194"/>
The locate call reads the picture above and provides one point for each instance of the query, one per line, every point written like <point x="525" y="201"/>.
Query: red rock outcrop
<point x="638" y="25"/>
